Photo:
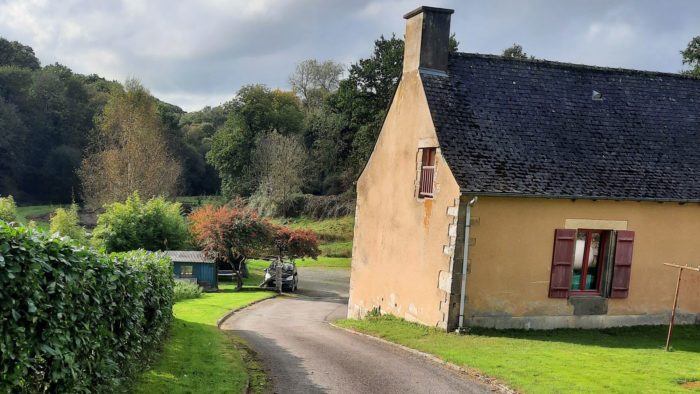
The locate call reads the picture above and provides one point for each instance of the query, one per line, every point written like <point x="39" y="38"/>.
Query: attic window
<point x="597" y="95"/>
<point x="427" y="173"/>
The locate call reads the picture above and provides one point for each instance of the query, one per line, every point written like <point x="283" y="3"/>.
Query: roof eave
<point x="575" y="197"/>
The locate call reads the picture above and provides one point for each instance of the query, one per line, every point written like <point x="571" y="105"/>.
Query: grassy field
<point x="33" y="210"/>
<point x="328" y="230"/>
<point x="623" y="360"/>
<point x="256" y="266"/>
<point x="197" y="356"/>
<point x="337" y="249"/>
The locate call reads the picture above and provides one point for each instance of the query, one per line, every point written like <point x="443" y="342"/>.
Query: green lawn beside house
<point x="619" y="360"/>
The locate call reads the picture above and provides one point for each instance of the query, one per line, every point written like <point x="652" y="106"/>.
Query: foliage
<point x="278" y="164"/>
<point x="329" y="230"/>
<point x="186" y="290"/>
<point x="625" y="359"/>
<point x="313" y="80"/>
<point x="130" y="151"/>
<point x="231" y="234"/>
<point x="8" y="209"/>
<point x="154" y="225"/>
<point x="235" y="233"/>
<point x="256" y="111"/>
<point x="295" y="242"/>
<point x="516" y="52"/>
<point x="46" y="115"/>
<point x="691" y="57"/>
<point x="197" y="356"/>
<point x="67" y="223"/>
<point x="73" y="320"/>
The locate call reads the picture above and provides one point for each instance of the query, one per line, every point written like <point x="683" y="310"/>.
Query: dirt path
<point x="306" y="355"/>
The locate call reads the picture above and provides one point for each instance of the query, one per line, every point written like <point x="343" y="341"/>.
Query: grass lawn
<point x="32" y="210"/>
<point x="256" y="266"/>
<point x="337" y="249"/>
<point x="197" y="356"/>
<point x="628" y="360"/>
<point x="328" y="230"/>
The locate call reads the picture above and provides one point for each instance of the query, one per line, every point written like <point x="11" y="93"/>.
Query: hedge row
<point x="75" y="320"/>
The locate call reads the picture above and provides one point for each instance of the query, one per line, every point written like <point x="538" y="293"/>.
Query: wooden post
<point x="675" y="298"/>
<point x="673" y="311"/>
<point x="278" y="275"/>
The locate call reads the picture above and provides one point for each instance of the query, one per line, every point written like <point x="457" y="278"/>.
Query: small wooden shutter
<point x="623" y="264"/>
<point x="563" y="256"/>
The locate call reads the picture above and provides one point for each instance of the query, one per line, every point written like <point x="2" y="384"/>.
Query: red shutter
<point x="623" y="264"/>
<point x="563" y="256"/>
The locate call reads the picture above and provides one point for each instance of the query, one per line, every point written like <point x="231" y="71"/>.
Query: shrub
<point x="8" y="209"/>
<point x="67" y="223"/>
<point x="235" y="233"/>
<point x="74" y="320"/>
<point x="186" y="290"/>
<point x="231" y="234"/>
<point x="295" y="242"/>
<point x="154" y="225"/>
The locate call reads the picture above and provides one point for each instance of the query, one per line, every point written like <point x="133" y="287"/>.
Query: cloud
<point x="200" y="53"/>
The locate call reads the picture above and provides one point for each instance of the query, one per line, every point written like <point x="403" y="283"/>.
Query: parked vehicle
<point x="290" y="277"/>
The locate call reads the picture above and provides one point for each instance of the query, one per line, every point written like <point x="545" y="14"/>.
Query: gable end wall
<point x="404" y="245"/>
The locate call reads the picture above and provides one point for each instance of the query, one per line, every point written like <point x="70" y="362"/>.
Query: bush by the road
<point x="74" y="320"/>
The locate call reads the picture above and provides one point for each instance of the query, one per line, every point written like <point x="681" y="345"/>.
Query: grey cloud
<point x="199" y="53"/>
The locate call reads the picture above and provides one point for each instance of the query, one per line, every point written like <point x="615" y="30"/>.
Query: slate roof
<point x="531" y="128"/>
<point x="188" y="256"/>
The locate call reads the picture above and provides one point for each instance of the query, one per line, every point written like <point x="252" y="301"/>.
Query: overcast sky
<point x="197" y="53"/>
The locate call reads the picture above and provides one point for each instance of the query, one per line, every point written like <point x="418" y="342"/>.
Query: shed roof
<point x="188" y="256"/>
<point x="532" y="128"/>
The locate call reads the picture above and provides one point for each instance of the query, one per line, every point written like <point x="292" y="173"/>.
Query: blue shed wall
<point x="204" y="272"/>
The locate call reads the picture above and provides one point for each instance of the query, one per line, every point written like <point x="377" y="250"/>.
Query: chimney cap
<point x="424" y="8"/>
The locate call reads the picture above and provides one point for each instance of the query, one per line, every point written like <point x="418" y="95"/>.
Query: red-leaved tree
<point x="295" y="243"/>
<point x="235" y="233"/>
<point x="231" y="234"/>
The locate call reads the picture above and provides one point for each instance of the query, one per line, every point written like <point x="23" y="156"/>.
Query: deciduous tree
<point x="130" y="152"/>
<point x="516" y="52"/>
<point x="231" y="234"/>
<point x="279" y="164"/>
<point x="691" y="57"/>
<point x="313" y="80"/>
<point x="67" y="223"/>
<point x="153" y="225"/>
<point x="235" y="233"/>
<point x="256" y="112"/>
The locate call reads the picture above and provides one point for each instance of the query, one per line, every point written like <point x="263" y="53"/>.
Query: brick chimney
<point x="427" y="39"/>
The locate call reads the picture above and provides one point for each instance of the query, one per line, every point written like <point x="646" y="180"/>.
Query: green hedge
<point x="75" y="320"/>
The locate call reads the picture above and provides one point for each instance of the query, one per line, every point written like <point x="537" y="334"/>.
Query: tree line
<point x="71" y="137"/>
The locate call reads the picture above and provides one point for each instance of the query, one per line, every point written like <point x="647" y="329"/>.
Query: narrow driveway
<point x="306" y="355"/>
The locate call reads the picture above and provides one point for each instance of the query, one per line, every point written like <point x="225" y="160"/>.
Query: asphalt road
<point x="304" y="354"/>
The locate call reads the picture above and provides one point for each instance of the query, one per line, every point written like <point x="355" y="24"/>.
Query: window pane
<point x="578" y="261"/>
<point x="186" y="271"/>
<point x="593" y="258"/>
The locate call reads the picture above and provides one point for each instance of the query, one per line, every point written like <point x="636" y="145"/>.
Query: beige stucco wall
<point x="511" y="255"/>
<point x="401" y="242"/>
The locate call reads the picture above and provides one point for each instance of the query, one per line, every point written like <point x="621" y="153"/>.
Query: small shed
<point x="192" y="265"/>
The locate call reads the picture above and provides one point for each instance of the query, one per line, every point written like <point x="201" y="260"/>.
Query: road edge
<point x="233" y="312"/>
<point x="471" y="373"/>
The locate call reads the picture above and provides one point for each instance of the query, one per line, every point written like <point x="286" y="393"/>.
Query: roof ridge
<point x="578" y="66"/>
